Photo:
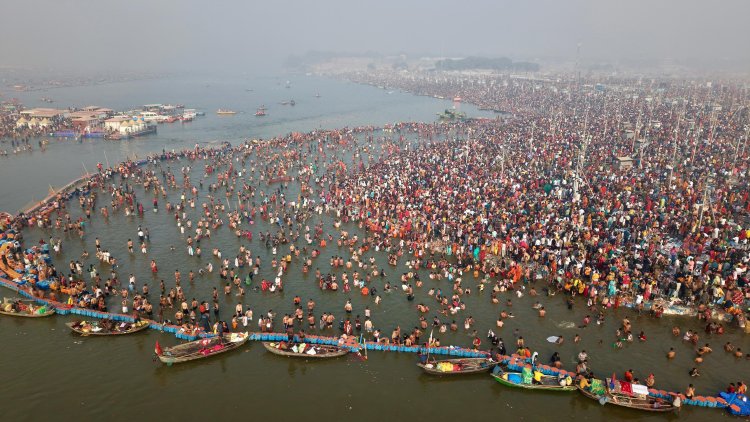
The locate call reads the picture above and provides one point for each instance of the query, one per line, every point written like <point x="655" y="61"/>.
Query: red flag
<point x="157" y="349"/>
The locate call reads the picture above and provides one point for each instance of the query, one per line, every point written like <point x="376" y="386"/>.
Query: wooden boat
<point x="225" y="112"/>
<point x="601" y="392"/>
<point x="102" y="328"/>
<point x="312" y="351"/>
<point x="516" y="380"/>
<point x="458" y="366"/>
<point x="25" y="308"/>
<point x="201" y="348"/>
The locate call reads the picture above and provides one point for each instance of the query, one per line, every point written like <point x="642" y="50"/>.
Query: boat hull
<point x="609" y="399"/>
<point x="330" y="352"/>
<point x="473" y="366"/>
<point x="48" y="312"/>
<point x="545" y="387"/>
<point x="138" y="327"/>
<point x="174" y="355"/>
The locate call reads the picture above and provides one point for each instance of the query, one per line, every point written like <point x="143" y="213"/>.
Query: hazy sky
<point x="231" y="35"/>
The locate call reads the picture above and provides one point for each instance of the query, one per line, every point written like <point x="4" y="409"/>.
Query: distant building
<point x="91" y="118"/>
<point x="82" y="124"/>
<point x="124" y="125"/>
<point x="41" y="113"/>
<point x="96" y="113"/>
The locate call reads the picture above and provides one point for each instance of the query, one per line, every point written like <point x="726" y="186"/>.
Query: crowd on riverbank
<point x="15" y="139"/>
<point x="537" y="204"/>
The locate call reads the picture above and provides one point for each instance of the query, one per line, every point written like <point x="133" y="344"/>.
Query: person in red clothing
<point x="629" y="375"/>
<point x="477" y="342"/>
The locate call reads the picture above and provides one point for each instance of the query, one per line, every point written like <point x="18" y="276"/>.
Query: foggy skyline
<point x="237" y="36"/>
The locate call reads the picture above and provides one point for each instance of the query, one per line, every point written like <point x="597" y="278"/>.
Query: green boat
<point x="524" y="379"/>
<point x="452" y="115"/>
<point x="25" y="308"/>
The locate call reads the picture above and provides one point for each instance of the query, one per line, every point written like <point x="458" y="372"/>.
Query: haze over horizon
<point x="175" y="35"/>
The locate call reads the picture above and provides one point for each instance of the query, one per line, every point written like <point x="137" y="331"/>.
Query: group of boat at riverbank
<point x="515" y="372"/>
<point x="510" y="371"/>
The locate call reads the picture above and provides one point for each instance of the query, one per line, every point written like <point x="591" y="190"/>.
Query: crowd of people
<point x="16" y="138"/>
<point x="629" y="194"/>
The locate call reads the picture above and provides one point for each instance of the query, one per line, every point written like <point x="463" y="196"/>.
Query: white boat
<point x="150" y="116"/>
<point x="189" y="114"/>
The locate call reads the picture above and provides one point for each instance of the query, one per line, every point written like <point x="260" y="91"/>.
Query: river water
<point x="340" y="104"/>
<point x="50" y="373"/>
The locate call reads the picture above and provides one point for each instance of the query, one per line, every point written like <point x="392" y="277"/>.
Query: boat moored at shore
<point x="305" y="350"/>
<point x="201" y="348"/>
